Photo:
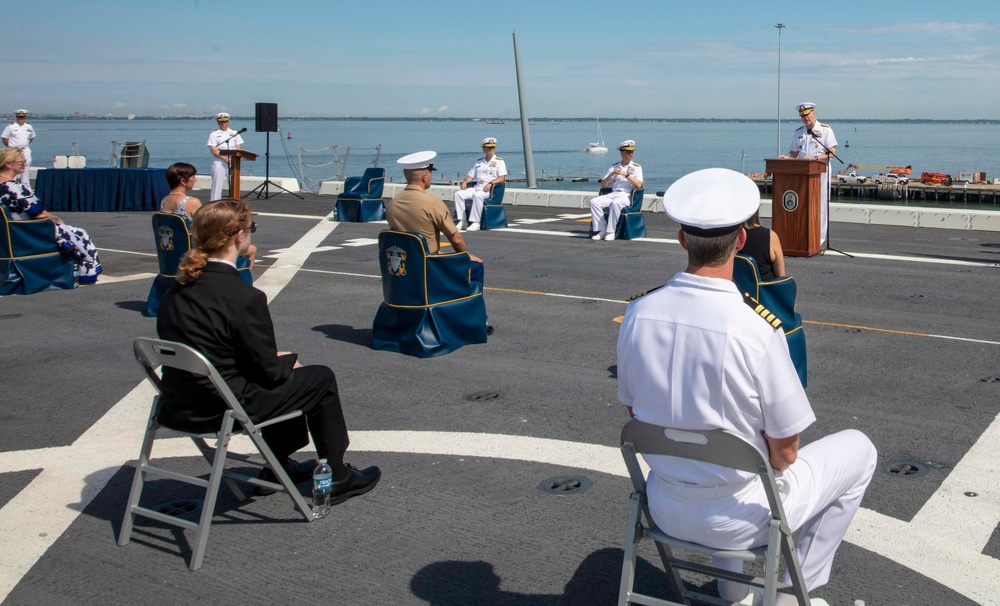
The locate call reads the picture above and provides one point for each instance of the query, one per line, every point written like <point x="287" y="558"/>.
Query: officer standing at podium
<point x="815" y="141"/>
<point x="20" y="134"/>
<point x="220" y="139"/>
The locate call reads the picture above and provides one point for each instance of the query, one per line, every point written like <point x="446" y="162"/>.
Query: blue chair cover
<point x="30" y="260"/>
<point x="631" y="223"/>
<point x="430" y="307"/>
<point x="778" y="296"/>
<point x="361" y="200"/>
<point x="173" y="240"/>
<point x="494" y="216"/>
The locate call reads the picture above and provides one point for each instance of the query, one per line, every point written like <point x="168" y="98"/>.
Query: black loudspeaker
<point x="266" y="118"/>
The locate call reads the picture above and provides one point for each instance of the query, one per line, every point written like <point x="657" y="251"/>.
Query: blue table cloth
<point x="101" y="189"/>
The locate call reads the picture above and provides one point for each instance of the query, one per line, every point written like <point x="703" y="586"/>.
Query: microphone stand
<point x="829" y="187"/>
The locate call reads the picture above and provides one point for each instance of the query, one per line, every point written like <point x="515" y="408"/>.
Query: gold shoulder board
<point x="762" y="311"/>
<point x="643" y="294"/>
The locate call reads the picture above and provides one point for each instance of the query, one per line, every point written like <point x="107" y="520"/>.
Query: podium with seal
<point x="235" y="156"/>
<point x="797" y="193"/>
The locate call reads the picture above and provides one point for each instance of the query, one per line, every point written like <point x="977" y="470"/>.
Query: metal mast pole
<point x="777" y="146"/>
<point x="529" y="162"/>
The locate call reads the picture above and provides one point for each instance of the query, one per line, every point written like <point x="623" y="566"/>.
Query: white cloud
<point x="424" y="111"/>
<point x="180" y="105"/>
<point x="118" y="105"/>
<point x="443" y="108"/>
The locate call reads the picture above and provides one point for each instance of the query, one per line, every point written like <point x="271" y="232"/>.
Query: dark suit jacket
<point x="227" y="320"/>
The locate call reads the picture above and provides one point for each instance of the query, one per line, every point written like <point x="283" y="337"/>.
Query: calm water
<point x="666" y="151"/>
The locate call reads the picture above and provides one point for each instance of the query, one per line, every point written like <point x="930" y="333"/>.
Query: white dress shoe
<point x="473" y="227"/>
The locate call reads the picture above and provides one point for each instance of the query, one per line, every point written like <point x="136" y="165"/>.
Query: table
<point x="101" y="189"/>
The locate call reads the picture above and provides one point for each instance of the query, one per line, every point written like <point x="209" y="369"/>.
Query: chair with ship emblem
<point x="173" y="239"/>
<point x="361" y="200"/>
<point x="429" y="307"/>
<point x="778" y="297"/>
<point x="721" y="448"/>
<point x="631" y="223"/>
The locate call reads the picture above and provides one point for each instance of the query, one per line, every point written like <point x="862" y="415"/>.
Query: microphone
<point x="244" y="129"/>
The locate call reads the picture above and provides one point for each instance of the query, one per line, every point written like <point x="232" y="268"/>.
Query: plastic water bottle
<point x="322" y="485"/>
<point x="76" y="275"/>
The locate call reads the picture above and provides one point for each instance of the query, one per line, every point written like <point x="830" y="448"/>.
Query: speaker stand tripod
<point x="263" y="190"/>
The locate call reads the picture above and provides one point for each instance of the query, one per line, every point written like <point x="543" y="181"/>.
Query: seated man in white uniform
<point x="694" y="354"/>
<point x="488" y="171"/>
<point x="220" y="139"/>
<point x="622" y="178"/>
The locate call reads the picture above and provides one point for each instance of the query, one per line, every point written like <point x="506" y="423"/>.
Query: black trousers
<point x="313" y="390"/>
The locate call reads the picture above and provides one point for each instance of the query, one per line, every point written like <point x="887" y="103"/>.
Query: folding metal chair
<point x="721" y="448"/>
<point x="154" y="353"/>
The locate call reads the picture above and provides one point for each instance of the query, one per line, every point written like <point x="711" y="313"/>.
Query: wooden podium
<point x="236" y="155"/>
<point x="797" y="193"/>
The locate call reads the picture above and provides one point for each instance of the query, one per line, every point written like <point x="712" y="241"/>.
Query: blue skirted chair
<point x="631" y="223"/>
<point x="430" y="306"/>
<point x="361" y="200"/>
<point x="30" y="258"/>
<point x="778" y="296"/>
<point x="494" y="216"/>
<point x="173" y="239"/>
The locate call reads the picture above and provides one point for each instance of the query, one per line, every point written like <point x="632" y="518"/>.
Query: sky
<point x="390" y="58"/>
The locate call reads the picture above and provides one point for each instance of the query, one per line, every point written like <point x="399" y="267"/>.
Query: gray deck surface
<point x="453" y="523"/>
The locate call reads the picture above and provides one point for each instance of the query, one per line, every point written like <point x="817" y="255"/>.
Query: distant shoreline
<point x="517" y="120"/>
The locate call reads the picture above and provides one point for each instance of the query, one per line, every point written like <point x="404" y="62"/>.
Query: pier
<point x="975" y="193"/>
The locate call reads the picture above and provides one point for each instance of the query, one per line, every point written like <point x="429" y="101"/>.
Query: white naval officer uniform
<point x="616" y="200"/>
<point x="694" y="355"/>
<point x="482" y="172"/>
<point x="17" y="135"/>
<point x="806" y="145"/>
<point x="220" y="168"/>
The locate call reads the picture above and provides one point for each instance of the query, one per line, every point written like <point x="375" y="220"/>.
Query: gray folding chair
<point x="721" y="448"/>
<point x="154" y="353"/>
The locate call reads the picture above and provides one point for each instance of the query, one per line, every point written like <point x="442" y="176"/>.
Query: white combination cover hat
<point x="711" y="202"/>
<point x="221" y="115"/>
<point x="418" y="160"/>
<point x="489" y="142"/>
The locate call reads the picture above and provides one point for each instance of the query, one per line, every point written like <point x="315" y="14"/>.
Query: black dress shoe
<point x="298" y="472"/>
<point x="489" y="330"/>
<point x="358" y="482"/>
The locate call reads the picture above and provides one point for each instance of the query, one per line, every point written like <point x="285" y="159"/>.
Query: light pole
<point x="777" y="146"/>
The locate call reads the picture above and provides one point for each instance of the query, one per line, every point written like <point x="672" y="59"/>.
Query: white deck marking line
<point x="38" y="515"/>
<point x="930" y="548"/>
<point x="106" y="279"/>
<point x="570" y="234"/>
<point x="277" y="252"/>
<point x="129" y="252"/>
<point x="291" y="216"/>
<point x="926" y="260"/>
<point x="290" y="261"/>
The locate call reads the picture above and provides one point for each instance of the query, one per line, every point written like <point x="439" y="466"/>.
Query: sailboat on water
<point x="598" y="148"/>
